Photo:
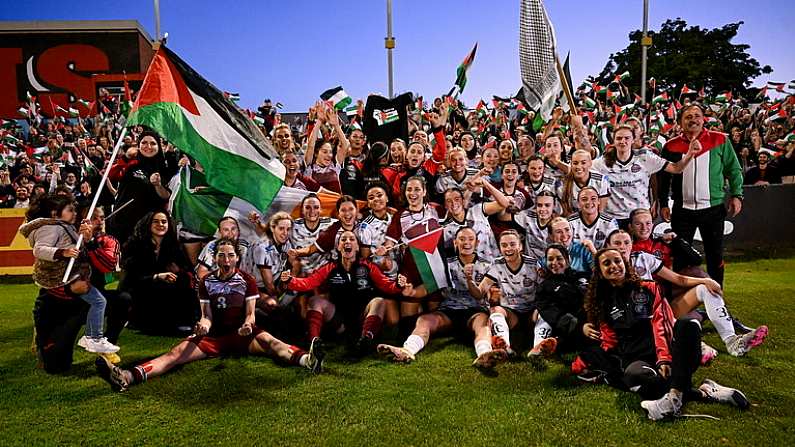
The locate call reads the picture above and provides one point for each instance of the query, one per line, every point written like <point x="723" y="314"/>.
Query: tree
<point x="698" y="57"/>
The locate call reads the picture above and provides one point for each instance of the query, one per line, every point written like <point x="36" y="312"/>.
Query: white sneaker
<point x="100" y="345"/>
<point x="664" y="407"/>
<point x="83" y="342"/>
<point x="723" y="394"/>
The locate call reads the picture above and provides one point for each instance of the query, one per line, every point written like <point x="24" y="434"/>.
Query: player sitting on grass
<point x="227" y="298"/>
<point x="643" y="348"/>
<point x="510" y="284"/>
<point x="459" y="311"/>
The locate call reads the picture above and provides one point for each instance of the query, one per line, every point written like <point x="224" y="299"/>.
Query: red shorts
<point x="225" y="344"/>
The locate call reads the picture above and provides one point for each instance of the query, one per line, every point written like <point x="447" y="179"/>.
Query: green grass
<point x="439" y="400"/>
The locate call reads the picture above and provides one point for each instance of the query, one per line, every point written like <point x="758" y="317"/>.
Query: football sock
<point x="716" y="311"/>
<point x="141" y="372"/>
<point x="314" y="322"/>
<point x="482" y="347"/>
<point x="541" y="331"/>
<point x="298" y="356"/>
<point x="414" y="344"/>
<point x="371" y="326"/>
<point x="499" y="327"/>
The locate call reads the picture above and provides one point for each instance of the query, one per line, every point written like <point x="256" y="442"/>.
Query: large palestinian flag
<point x="194" y="116"/>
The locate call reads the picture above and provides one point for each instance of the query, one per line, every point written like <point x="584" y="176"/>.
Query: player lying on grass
<point x="643" y="348"/>
<point x="459" y="312"/>
<point x="227" y="298"/>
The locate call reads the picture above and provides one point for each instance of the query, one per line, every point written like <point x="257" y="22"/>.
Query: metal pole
<point x="96" y="198"/>
<point x="389" y="44"/>
<point x="157" y="20"/>
<point x="644" y="45"/>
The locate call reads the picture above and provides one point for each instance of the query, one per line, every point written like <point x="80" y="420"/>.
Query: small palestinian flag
<point x="188" y="111"/>
<point x="481" y="108"/>
<point x="84" y="103"/>
<point x="351" y="110"/>
<point x="622" y="77"/>
<point x="337" y="97"/>
<point x="712" y="121"/>
<point x="428" y="259"/>
<point x="663" y="97"/>
<point x="686" y="91"/>
<point x="461" y="71"/>
<point x="234" y="97"/>
<point x="599" y="90"/>
<point x="724" y="97"/>
<point x="259" y="120"/>
<point x="588" y="103"/>
<point x="779" y="86"/>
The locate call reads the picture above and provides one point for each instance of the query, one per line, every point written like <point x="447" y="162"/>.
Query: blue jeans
<point x="96" y="314"/>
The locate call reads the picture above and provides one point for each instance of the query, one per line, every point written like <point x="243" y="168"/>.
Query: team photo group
<point x="574" y="225"/>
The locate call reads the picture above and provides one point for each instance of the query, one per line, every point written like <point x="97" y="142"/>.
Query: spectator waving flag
<point x="191" y="113"/>
<point x="337" y="97"/>
<point x="541" y="85"/>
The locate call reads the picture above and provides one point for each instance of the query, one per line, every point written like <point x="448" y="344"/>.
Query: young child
<point x="50" y="231"/>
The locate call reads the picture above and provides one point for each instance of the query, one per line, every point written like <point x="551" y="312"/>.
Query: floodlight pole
<point x="157" y="20"/>
<point x="645" y="42"/>
<point x="389" y="44"/>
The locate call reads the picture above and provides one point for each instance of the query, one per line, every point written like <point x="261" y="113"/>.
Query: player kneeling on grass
<point x="459" y="311"/>
<point x="510" y="284"/>
<point x="227" y="298"/>
<point x="350" y="283"/>
<point x="643" y="348"/>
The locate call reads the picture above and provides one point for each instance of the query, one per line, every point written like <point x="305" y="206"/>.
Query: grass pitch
<point x="438" y="400"/>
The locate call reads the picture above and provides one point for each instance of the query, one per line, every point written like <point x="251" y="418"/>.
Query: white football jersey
<point x="265" y="254"/>
<point x="301" y="236"/>
<point x="518" y="288"/>
<point x="372" y="234"/>
<point x="597" y="232"/>
<point x="645" y="264"/>
<point x="457" y="296"/>
<point x="536" y="236"/>
<point x="629" y="182"/>
<point x="476" y="219"/>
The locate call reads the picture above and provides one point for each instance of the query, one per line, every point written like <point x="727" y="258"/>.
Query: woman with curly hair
<point x="159" y="277"/>
<point x="642" y="347"/>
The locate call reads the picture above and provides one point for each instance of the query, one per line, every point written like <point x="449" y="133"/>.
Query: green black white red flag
<point x="461" y="72"/>
<point x="192" y="114"/>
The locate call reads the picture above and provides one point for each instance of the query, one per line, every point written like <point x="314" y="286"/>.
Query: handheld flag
<point x="461" y="71"/>
<point x="428" y="259"/>
<point x="184" y="108"/>
<point x="337" y="97"/>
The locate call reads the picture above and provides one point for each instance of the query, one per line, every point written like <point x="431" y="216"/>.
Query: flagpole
<point x="441" y="228"/>
<point x="644" y="45"/>
<point x="389" y="44"/>
<point x="564" y="82"/>
<point x="96" y="199"/>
